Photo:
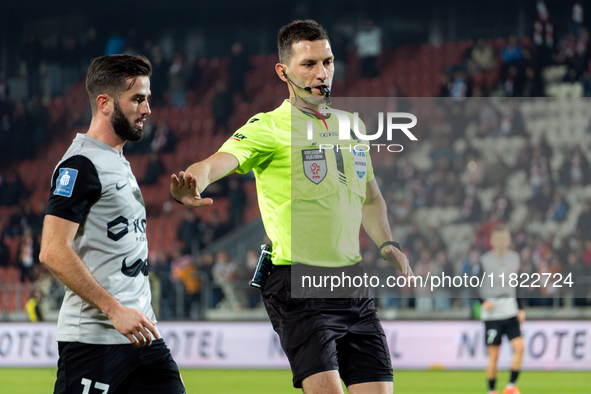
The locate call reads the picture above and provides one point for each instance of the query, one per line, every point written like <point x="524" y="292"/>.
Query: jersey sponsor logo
<point x="134" y="270"/>
<point x="120" y="187"/>
<point x="238" y="137"/>
<point x="360" y="162"/>
<point x="314" y="165"/>
<point x="253" y="120"/>
<point x="117" y="235"/>
<point x="64" y="186"/>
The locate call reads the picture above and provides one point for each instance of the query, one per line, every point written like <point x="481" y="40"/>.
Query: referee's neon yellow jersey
<point x="310" y="198"/>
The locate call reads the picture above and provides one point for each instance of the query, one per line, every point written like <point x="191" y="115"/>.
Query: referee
<point x="332" y="193"/>
<point x="94" y="242"/>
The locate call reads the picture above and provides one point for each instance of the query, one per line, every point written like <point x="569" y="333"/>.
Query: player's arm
<point x="186" y="187"/>
<point x="375" y="223"/>
<point x="521" y="311"/>
<point x="59" y="257"/>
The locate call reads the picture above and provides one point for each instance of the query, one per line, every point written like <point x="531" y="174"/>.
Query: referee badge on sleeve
<point x="65" y="182"/>
<point x="314" y="164"/>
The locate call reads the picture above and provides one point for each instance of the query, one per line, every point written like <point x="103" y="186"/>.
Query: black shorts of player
<point x="324" y="334"/>
<point x="495" y="329"/>
<point x="117" y="369"/>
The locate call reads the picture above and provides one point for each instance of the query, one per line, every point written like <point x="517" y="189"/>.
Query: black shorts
<point x="495" y="329"/>
<point x="324" y="334"/>
<point x="91" y="369"/>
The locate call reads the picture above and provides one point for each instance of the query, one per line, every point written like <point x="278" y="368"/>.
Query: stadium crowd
<point x="456" y="186"/>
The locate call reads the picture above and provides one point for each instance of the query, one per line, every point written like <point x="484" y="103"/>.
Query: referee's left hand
<point x="183" y="188"/>
<point x="397" y="259"/>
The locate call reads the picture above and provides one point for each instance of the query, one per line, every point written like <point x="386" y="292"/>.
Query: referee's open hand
<point x="134" y="325"/>
<point x="398" y="260"/>
<point x="183" y="188"/>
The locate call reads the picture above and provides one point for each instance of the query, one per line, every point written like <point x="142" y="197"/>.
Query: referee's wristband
<point x="393" y="243"/>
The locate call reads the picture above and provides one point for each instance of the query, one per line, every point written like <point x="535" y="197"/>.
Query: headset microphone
<point x="323" y="88"/>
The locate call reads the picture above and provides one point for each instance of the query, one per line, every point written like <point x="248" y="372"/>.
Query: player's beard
<point x="123" y="127"/>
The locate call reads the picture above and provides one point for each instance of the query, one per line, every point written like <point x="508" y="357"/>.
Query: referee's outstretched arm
<point x="375" y="223"/>
<point x="59" y="257"/>
<point x="186" y="187"/>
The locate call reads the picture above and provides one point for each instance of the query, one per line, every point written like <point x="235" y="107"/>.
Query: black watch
<point x="393" y="243"/>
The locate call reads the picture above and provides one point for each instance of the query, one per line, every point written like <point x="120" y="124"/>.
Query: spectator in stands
<point x="543" y="35"/>
<point x="460" y="85"/>
<point x="153" y="171"/>
<point x="338" y="44"/>
<point x="539" y="171"/>
<point x="4" y="252"/>
<point x="221" y="108"/>
<point x="53" y="62"/>
<point x="178" y="78"/>
<point x="454" y="192"/>
<point x="33" y="307"/>
<point x="496" y="171"/>
<point x="71" y="59"/>
<point x="32" y="56"/>
<point x="160" y="267"/>
<point x="577" y="22"/>
<point x="238" y="66"/>
<point x="442" y="295"/>
<point x="511" y="122"/>
<point x="575" y="170"/>
<point x="540" y="202"/>
<point x="115" y="44"/>
<point x="584" y="222"/>
<point x="524" y="156"/>
<point x="237" y="201"/>
<point x="159" y="78"/>
<point x="483" y="56"/>
<point x="224" y="275"/>
<point x="185" y="272"/>
<point x="190" y="232"/>
<point x="471" y="209"/>
<point x="586" y="83"/>
<point x="558" y="209"/>
<point x="369" y="46"/>
<point x="576" y="269"/>
<point x="501" y="204"/>
<point x="532" y="85"/>
<point x="423" y="267"/>
<point x="12" y="189"/>
<point x="163" y="140"/>
<point x="28" y="252"/>
<point x="469" y="267"/>
<point x="511" y="53"/>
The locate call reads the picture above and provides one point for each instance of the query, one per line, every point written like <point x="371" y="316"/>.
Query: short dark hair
<point x="296" y="31"/>
<point x="111" y="75"/>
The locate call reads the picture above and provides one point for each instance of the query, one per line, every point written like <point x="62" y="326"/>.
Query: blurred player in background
<point x="94" y="241"/>
<point x="501" y="310"/>
<point x="325" y="340"/>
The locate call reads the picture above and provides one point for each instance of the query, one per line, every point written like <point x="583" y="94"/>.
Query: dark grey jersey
<point x="503" y="297"/>
<point x="93" y="185"/>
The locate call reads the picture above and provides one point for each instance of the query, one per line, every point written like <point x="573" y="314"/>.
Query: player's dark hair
<point x="115" y="74"/>
<point x="296" y="31"/>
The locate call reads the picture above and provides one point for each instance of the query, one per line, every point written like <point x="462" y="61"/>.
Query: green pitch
<point x="41" y="380"/>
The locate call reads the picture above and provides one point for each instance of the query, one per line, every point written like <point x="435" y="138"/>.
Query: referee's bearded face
<point x="312" y="64"/>
<point x="131" y="109"/>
